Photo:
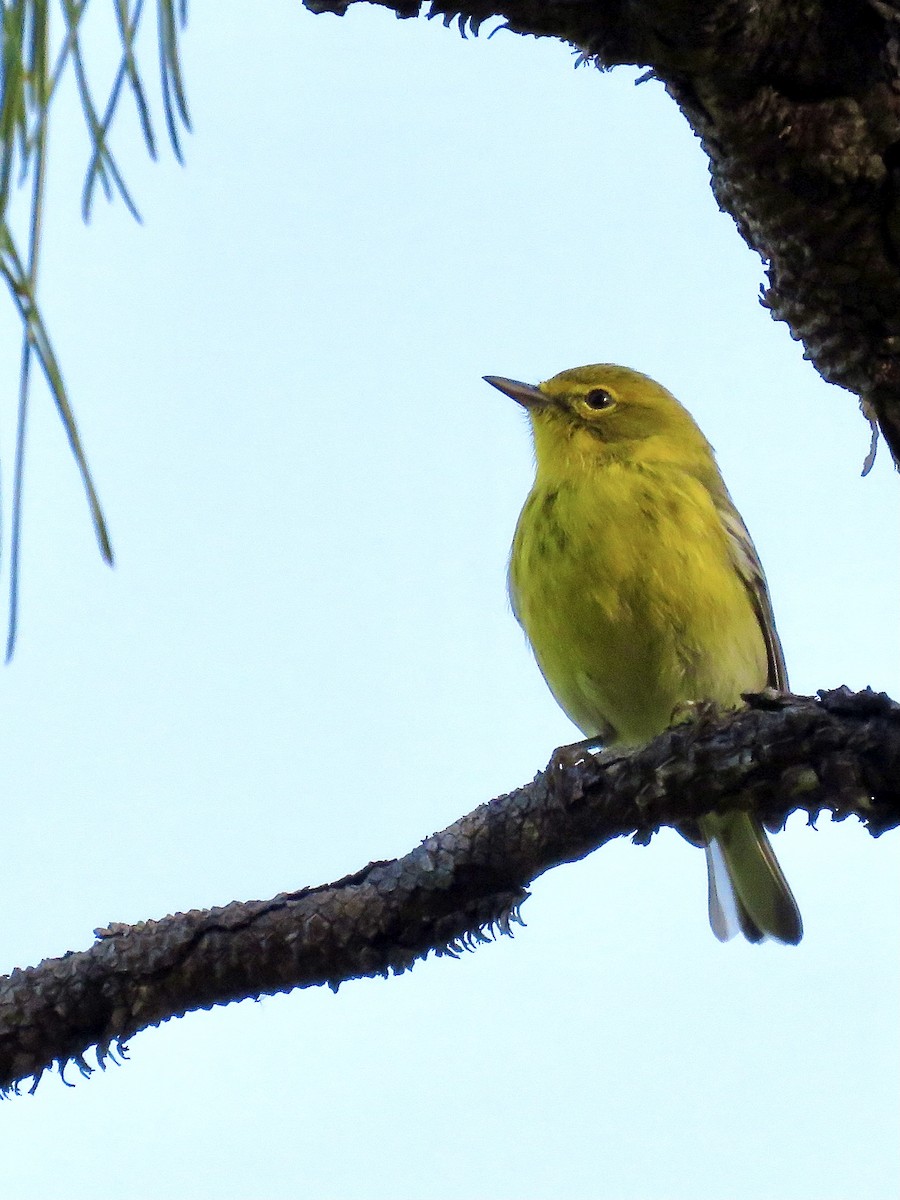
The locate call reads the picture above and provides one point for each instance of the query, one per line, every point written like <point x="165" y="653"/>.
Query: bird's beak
<point x="523" y="393"/>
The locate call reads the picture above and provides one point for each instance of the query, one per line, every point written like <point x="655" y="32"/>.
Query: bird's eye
<point x="598" y="398"/>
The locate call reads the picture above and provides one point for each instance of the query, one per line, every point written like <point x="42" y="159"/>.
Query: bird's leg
<point x="689" y="712"/>
<point x="564" y="758"/>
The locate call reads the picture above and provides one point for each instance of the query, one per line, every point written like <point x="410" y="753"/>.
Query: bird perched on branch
<point x="641" y="593"/>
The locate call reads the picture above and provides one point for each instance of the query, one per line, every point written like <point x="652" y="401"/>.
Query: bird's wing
<point x="748" y="566"/>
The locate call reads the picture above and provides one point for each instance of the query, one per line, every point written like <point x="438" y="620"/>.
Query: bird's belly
<point x="629" y="620"/>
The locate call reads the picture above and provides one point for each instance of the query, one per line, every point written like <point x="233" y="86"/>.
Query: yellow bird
<point x="640" y="591"/>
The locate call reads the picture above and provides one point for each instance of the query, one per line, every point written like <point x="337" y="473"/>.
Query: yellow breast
<point x="622" y="579"/>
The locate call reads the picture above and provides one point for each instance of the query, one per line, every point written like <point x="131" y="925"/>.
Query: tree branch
<point x="839" y="753"/>
<point x="797" y="104"/>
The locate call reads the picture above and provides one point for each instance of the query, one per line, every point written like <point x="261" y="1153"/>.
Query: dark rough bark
<point x="797" y="104"/>
<point x="840" y="753"/>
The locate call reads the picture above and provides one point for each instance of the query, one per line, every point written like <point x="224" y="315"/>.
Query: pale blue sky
<point x="305" y="660"/>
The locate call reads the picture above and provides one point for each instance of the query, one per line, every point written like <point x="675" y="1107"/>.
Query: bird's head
<point x="604" y="412"/>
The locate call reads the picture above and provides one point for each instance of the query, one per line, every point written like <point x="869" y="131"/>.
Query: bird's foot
<point x="562" y="771"/>
<point x="564" y="758"/>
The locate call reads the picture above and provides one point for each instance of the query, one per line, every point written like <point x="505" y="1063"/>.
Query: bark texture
<point x="839" y="753"/>
<point x="797" y="104"/>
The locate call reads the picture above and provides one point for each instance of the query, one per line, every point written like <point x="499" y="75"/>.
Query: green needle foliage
<point x="38" y="47"/>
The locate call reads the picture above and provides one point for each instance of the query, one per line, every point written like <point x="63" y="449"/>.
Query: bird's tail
<point x="748" y="892"/>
